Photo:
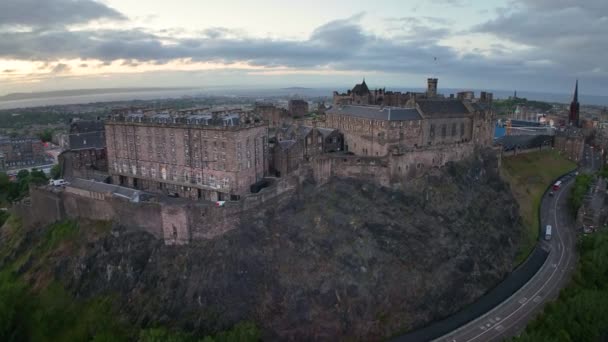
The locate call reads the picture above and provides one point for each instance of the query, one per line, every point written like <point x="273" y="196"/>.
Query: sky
<point x="527" y="45"/>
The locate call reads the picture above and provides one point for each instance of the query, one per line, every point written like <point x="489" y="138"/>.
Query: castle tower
<point x="574" y="108"/>
<point x="431" y="90"/>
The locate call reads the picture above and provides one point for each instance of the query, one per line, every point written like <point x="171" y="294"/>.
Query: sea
<point x="264" y="93"/>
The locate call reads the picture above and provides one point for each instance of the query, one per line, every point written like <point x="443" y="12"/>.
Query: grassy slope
<point x="529" y="175"/>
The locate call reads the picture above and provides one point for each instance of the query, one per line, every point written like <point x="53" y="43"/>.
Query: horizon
<point x="500" y="44"/>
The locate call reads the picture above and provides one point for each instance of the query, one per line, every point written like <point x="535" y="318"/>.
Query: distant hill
<point x="79" y="92"/>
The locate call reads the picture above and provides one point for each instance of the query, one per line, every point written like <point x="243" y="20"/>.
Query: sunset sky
<point x="541" y="45"/>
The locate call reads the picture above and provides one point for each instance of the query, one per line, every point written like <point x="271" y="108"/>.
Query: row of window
<point x="444" y="129"/>
<point x="186" y="176"/>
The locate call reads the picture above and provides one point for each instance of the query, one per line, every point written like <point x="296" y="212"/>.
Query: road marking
<point x="498" y="318"/>
<point x="546" y="282"/>
<point x="537" y="299"/>
<point x="523" y="300"/>
<point x="499" y="328"/>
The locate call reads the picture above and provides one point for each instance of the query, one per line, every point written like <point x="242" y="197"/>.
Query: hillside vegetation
<point x="34" y="306"/>
<point x="581" y="311"/>
<point x="529" y="175"/>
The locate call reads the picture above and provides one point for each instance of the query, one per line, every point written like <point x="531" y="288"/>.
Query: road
<point x="511" y="316"/>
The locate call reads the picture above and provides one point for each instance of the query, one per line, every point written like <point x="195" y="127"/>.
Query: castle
<point x="239" y="156"/>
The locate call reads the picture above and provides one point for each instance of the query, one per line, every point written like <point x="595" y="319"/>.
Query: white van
<point x="548" y="232"/>
<point x="58" y="182"/>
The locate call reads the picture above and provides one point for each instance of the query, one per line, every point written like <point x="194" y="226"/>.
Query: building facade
<point x="86" y="151"/>
<point x="297" y="108"/>
<point x="21" y="152"/>
<point x="198" y="156"/>
<point x="426" y="120"/>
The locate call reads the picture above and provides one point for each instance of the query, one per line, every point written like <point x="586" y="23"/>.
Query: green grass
<point x="529" y="175"/>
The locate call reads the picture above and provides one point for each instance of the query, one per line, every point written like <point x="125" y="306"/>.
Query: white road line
<point x="546" y="282"/>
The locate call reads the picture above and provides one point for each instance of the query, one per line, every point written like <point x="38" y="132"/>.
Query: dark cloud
<point x="8" y="71"/>
<point x="52" y="13"/>
<point x="84" y="65"/>
<point x="61" y="69"/>
<point x="562" y="36"/>
<point x="565" y="39"/>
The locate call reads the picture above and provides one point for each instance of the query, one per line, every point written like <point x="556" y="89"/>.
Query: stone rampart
<point x="179" y="221"/>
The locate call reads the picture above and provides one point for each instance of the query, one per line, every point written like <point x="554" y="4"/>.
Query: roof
<point x="510" y="142"/>
<point x="377" y="112"/>
<point x="79" y="141"/>
<point x="442" y="108"/>
<point x="103" y="187"/>
<point x="82" y="126"/>
<point x="325" y="132"/>
<point x="286" y="144"/>
<point x="361" y="89"/>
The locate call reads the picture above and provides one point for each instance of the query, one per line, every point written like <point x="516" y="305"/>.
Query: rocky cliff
<point x="344" y="260"/>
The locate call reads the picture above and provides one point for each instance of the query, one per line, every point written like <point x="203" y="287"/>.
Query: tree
<point x="23" y="175"/>
<point x="4" y="182"/>
<point x="56" y="171"/>
<point x="46" y="135"/>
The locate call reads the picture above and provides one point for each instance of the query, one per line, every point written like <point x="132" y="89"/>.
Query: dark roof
<point x="80" y="141"/>
<point x="377" y="112"/>
<point x="361" y="89"/>
<point x="286" y="144"/>
<point x="325" y="132"/>
<point x="442" y="108"/>
<point x="511" y="142"/>
<point x="82" y="126"/>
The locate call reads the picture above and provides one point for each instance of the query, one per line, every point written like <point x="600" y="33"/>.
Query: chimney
<point x="431" y="90"/>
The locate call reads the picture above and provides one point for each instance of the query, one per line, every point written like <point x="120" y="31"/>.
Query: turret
<point x="431" y="90"/>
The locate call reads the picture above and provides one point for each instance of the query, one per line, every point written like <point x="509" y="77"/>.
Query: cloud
<point x="569" y="37"/>
<point x="8" y="71"/>
<point x="61" y="68"/>
<point x="562" y="39"/>
<point x="53" y="13"/>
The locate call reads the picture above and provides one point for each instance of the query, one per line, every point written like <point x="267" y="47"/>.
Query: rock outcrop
<point x="344" y="260"/>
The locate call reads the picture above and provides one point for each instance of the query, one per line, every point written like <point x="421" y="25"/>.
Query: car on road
<point x="557" y="185"/>
<point x="548" y="232"/>
<point x="551" y="193"/>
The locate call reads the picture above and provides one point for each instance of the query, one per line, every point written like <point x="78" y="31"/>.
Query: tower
<point x="574" y="108"/>
<point x="431" y="90"/>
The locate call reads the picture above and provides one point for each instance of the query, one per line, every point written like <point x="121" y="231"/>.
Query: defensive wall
<point x="397" y="167"/>
<point x="179" y="221"/>
<point x="176" y="221"/>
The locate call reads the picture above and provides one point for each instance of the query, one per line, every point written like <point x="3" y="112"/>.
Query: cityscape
<point x="163" y="183"/>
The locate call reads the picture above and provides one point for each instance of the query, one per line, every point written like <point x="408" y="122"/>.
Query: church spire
<point x="574" y="108"/>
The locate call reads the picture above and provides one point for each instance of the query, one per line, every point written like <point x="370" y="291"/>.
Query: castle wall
<point x="393" y="169"/>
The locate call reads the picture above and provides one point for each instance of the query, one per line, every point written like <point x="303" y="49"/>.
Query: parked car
<point x="58" y="182"/>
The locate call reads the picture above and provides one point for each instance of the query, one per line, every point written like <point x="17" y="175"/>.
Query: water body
<point x="266" y="93"/>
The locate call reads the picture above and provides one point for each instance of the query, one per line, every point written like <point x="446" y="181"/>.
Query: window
<point x="462" y="128"/>
<point x="432" y="131"/>
<point x="443" y="130"/>
<point x="454" y="129"/>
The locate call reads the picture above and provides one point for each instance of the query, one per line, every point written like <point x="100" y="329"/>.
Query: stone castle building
<point x="425" y="120"/>
<point x="297" y="108"/>
<point x="204" y="155"/>
<point x="86" y="152"/>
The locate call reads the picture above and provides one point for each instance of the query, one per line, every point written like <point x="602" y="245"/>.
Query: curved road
<point x="511" y="316"/>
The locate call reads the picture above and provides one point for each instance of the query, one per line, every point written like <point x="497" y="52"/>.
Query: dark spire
<point x="574" y="108"/>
